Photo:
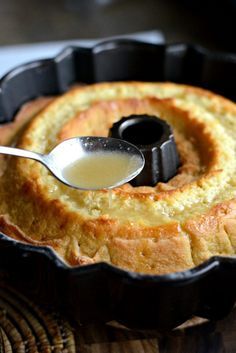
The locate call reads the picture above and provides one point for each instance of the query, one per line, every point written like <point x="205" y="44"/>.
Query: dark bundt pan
<point x="102" y="292"/>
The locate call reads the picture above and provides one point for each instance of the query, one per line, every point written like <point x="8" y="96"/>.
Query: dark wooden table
<point x="25" y="327"/>
<point x="207" y="337"/>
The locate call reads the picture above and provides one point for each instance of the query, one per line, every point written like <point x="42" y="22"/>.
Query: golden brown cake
<point x="167" y="228"/>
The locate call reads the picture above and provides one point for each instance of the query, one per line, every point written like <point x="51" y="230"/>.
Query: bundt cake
<point x="170" y="227"/>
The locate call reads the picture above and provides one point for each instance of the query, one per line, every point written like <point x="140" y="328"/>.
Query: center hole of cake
<point x="141" y="131"/>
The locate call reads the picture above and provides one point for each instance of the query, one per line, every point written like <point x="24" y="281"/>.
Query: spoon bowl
<point x="78" y="162"/>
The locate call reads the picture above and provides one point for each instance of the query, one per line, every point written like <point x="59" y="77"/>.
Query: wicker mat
<point x="24" y="327"/>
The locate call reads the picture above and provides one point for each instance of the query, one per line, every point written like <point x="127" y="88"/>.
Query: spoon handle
<point x="21" y="153"/>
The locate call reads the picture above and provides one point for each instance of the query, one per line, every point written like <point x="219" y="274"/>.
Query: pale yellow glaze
<point x="101" y="170"/>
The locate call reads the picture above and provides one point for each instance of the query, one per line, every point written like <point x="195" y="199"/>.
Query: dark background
<point x="206" y="22"/>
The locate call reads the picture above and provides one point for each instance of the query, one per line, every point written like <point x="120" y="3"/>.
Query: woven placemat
<point x="26" y="328"/>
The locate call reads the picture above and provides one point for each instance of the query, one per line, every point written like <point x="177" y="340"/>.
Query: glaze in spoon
<point x="89" y="163"/>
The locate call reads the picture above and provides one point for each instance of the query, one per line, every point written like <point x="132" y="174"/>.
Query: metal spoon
<point x="74" y="149"/>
